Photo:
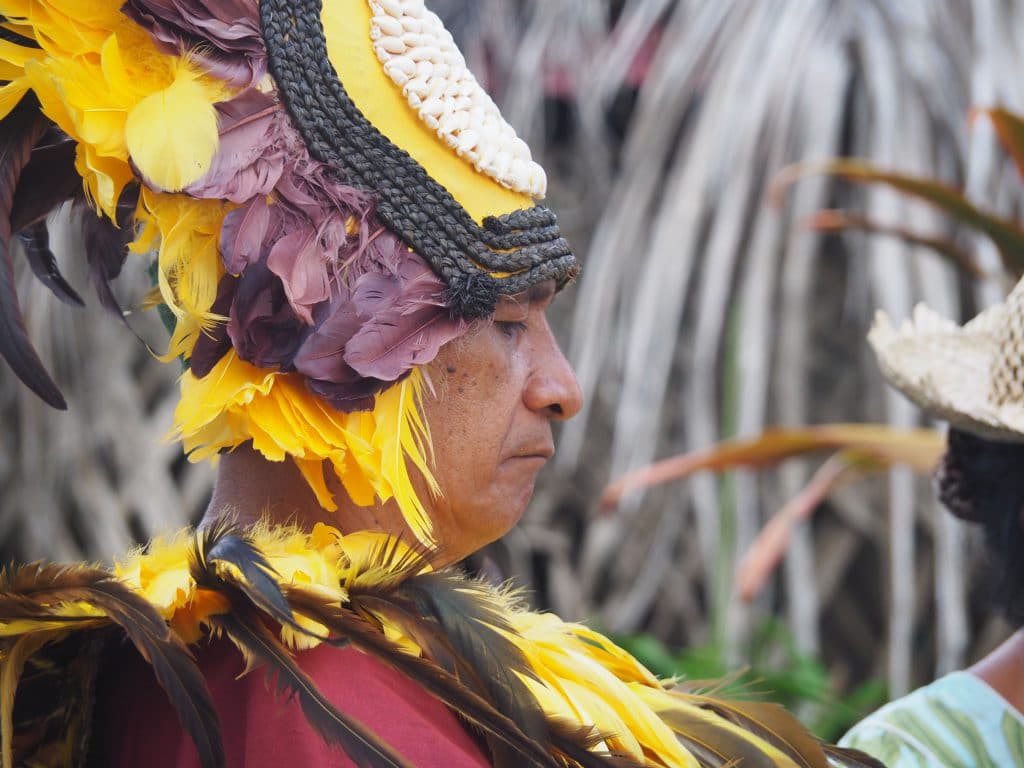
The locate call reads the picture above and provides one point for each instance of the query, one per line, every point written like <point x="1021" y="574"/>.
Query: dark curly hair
<point x="982" y="481"/>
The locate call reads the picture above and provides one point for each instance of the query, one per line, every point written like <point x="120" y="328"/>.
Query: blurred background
<point x="706" y="312"/>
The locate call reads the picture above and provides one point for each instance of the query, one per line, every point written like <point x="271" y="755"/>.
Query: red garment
<point x="136" y="726"/>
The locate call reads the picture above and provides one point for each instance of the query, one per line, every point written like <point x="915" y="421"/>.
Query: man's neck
<point x="251" y="489"/>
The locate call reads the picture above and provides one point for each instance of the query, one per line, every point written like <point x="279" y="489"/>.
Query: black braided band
<point x="525" y="244"/>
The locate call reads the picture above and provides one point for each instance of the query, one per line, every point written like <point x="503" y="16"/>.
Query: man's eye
<point x="510" y="328"/>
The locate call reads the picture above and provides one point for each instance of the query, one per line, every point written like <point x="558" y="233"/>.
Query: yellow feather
<point x="699" y="723"/>
<point x="9" y="72"/>
<point x="651" y="731"/>
<point x="313" y="472"/>
<point x="68" y="28"/>
<point x="578" y="676"/>
<point x="370" y="452"/>
<point x="11" y="94"/>
<point x="187" y="233"/>
<point x="354" y="478"/>
<point x="16" y="55"/>
<point x="172" y="134"/>
<point x="399" y="433"/>
<point x="603" y="715"/>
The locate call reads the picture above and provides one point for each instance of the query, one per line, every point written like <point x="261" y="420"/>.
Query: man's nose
<point x="552" y="387"/>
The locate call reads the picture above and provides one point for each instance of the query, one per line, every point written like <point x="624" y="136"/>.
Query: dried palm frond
<point x="704" y="314"/>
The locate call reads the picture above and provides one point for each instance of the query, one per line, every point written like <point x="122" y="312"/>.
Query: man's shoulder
<point x="261" y="727"/>
<point x="955" y="721"/>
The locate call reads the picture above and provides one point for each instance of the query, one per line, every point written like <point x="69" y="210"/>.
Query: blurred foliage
<point x="776" y="671"/>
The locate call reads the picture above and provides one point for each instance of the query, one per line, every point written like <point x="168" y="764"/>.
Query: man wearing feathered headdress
<point x="347" y="241"/>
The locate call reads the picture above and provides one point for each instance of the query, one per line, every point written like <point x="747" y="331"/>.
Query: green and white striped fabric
<point x="956" y="722"/>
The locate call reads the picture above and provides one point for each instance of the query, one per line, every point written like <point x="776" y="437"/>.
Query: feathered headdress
<point x="330" y="194"/>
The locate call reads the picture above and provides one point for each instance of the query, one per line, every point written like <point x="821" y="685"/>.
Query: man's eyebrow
<point x="540" y="292"/>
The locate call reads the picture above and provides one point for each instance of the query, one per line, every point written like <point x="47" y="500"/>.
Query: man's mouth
<point x="543" y="452"/>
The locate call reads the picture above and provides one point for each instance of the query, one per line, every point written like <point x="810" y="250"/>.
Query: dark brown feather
<point x="106" y="247"/>
<point x="347" y="624"/>
<point x="455" y="621"/>
<point x="225" y="543"/>
<point x="261" y="648"/>
<point x="713" y="745"/>
<point x="48" y="180"/>
<point x="466" y="613"/>
<point x="19" y="132"/>
<point x="36" y="241"/>
<point x="39" y="591"/>
<point x="852" y="758"/>
<point x="579" y="744"/>
<point x="770" y="722"/>
<point x="257" y="589"/>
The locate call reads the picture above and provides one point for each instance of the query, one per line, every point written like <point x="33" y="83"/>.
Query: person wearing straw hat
<point x="972" y="377"/>
<point x="348" y="247"/>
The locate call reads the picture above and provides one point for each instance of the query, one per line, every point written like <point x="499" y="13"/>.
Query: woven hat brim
<point x="946" y="369"/>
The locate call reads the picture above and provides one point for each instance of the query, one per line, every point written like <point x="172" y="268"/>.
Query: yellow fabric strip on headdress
<point x="347" y="30"/>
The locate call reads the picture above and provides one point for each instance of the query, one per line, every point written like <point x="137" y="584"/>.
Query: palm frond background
<point x="703" y="313"/>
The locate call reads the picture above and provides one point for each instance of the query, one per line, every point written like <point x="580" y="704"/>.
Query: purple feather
<point x="252" y="153"/>
<point x="322" y="288"/>
<point x="322" y="355"/>
<point x="302" y="266"/>
<point x="356" y="395"/>
<point x="243" y="235"/>
<point x="322" y="360"/>
<point x="405" y="321"/>
<point x="224" y="35"/>
<point x="211" y="347"/>
<point x="263" y="328"/>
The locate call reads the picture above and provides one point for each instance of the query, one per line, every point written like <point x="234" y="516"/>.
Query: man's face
<point x="497" y="391"/>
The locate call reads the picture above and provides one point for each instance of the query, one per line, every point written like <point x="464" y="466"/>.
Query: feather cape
<point x="536" y="687"/>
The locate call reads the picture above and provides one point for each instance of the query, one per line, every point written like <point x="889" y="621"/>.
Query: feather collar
<point x="554" y="692"/>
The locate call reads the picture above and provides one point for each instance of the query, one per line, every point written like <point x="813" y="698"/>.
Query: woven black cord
<point x="526" y="243"/>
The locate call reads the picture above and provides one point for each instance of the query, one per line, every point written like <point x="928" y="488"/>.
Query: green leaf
<point x="652" y="653"/>
<point x="837" y="719"/>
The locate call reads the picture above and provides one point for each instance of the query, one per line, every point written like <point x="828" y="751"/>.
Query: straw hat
<point x="971" y="376"/>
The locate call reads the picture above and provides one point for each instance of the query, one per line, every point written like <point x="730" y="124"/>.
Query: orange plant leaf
<point x="1005" y="233"/>
<point x="837" y="221"/>
<point x="919" y="448"/>
<point x="1010" y="130"/>
<point x="771" y="543"/>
